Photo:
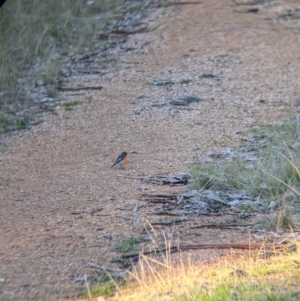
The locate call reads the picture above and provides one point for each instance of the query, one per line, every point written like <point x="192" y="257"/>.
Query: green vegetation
<point x="21" y="123"/>
<point x="282" y="219"/>
<point x="245" y="207"/>
<point x="68" y="106"/>
<point x="35" y="35"/>
<point x="128" y="244"/>
<point x="100" y="289"/>
<point x="267" y="151"/>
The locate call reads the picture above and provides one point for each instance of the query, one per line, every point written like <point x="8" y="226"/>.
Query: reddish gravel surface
<point x="63" y="206"/>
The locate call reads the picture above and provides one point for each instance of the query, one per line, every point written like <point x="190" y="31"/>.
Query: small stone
<point x="169" y="235"/>
<point x="244" y="215"/>
<point x="248" y="2"/>
<point x="234" y="203"/>
<point x="185" y="100"/>
<point x="263" y="186"/>
<point x="158" y="105"/>
<point x="55" y="56"/>
<point x="2" y="280"/>
<point x="273" y="205"/>
<point x="39" y="82"/>
<point x="46" y="99"/>
<point x="161" y="82"/>
<point x="6" y="293"/>
<point x="207" y="76"/>
<point x="247" y="9"/>
<point x="237" y="132"/>
<point x="257" y="237"/>
<point x="185" y="81"/>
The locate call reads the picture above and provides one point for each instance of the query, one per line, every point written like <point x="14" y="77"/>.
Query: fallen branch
<point x="124" y="32"/>
<point x="99" y="267"/>
<point x="182" y="3"/>
<point x="113" y="272"/>
<point x="240" y="246"/>
<point x="125" y="217"/>
<point x="131" y="177"/>
<point x="80" y="88"/>
<point x="91" y="71"/>
<point x="173" y="179"/>
<point x="161" y="201"/>
<point x="222" y="226"/>
<point x="170" y="222"/>
<point x="160" y="198"/>
<point x="163" y="212"/>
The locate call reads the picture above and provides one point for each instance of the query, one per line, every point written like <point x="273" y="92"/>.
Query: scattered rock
<point x="234" y="203"/>
<point x="247" y="9"/>
<point x="185" y="100"/>
<point x="169" y="235"/>
<point x="202" y="206"/>
<point x="88" y="277"/>
<point x="159" y="104"/>
<point x="46" y="99"/>
<point x="258" y="237"/>
<point x="181" y="178"/>
<point x="244" y="215"/>
<point x="237" y="132"/>
<point x="39" y="82"/>
<point x="263" y="186"/>
<point x="161" y="82"/>
<point x="6" y="293"/>
<point x="212" y="195"/>
<point x="273" y="205"/>
<point x="227" y="153"/>
<point x="184" y="80"/>
<point x="207" y="76"/>
<point x="249" y="157"/>
<point x="249" y="2"/>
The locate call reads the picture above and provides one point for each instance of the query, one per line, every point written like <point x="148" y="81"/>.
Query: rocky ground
<point x="63" y="206"/>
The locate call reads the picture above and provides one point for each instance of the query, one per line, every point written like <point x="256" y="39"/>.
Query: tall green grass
<point x="34" y="31"/>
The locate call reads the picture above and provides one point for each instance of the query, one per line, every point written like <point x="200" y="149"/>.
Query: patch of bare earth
<point x="63" y="206"/>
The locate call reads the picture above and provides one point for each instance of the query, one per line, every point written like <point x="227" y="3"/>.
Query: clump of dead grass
<point x="232" y="277"/>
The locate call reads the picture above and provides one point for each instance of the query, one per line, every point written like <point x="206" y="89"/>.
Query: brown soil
<point x="60" y="198"/>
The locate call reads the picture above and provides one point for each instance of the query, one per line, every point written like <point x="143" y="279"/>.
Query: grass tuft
<point x="270" y="147"/>
<point x="35" y="36"/>
<point x="128" y="244"/>
<point x="69" y="106"/>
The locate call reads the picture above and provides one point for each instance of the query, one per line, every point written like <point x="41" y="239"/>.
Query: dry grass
<point x="232" y="277"/>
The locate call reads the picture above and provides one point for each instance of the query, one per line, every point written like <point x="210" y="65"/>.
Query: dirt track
<point x="60" y="199"/>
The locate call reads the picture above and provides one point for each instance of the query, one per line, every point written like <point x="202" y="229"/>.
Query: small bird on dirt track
<point x="122" y="159"/>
